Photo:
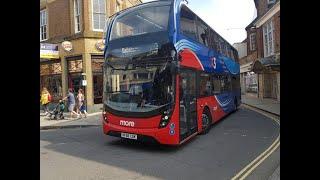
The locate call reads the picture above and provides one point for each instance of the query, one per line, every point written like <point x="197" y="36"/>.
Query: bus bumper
<point x="161" y="136"/>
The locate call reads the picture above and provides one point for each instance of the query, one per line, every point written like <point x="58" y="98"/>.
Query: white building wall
<point x="241" y="48"/>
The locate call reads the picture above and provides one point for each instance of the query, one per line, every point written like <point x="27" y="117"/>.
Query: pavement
<point x="266" y="104"/>
<point x="93" y="119"/>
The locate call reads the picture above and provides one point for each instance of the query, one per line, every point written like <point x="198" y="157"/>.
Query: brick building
<point x="71" y="33"/>
<point x="261" y="67"/>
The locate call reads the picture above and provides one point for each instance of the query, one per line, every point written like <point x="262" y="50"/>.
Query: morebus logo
<point x="126" y="123"/>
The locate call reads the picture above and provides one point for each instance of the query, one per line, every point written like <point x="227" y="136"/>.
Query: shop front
<point x="268" y="70"/>
<point x="50" y="70"/>
<point x="82" y="66"/>
<point x="75" y="71"/>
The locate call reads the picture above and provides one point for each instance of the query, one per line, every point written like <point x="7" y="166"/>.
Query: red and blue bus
<point x="168" y="76"/>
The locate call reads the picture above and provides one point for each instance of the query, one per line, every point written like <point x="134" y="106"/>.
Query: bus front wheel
<point x="206" y="121"/>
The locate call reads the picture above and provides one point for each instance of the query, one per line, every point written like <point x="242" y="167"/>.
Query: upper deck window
<point x="142" y="21"/>
<point x="188" y="23"/>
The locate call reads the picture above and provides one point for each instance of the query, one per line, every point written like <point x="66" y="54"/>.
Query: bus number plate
<point x="129" y="136"/>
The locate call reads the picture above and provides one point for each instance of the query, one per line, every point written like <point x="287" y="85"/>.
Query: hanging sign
<point x="100" y="44"/>
<point x="67" y="46"/>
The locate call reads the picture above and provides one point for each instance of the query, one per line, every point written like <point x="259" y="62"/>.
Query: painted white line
<point x="258" y="160"/>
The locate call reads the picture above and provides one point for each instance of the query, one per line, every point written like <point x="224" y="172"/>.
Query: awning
<point x="267" y="63"/>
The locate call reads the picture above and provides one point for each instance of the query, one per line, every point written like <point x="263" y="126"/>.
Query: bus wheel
<point x="206" y="122"/>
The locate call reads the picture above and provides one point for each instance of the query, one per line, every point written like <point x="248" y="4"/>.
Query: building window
<point x="117" y="6"/>
<point x="50" y="77"/>
<point x="77" y="13"/>
<point x="252" y="41"/>
<point x="43" y="25"/>
<point x="98" y="14"/>
<point x="268" y="39"/>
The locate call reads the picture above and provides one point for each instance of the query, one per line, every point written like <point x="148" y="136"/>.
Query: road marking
<point x="258" y="160"/>
<point x="261" y="160"/>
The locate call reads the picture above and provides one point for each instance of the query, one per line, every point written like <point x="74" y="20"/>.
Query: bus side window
<point x="216" y="88"/>
<point x="203" y="32"/>
<point x="205" y="85"/>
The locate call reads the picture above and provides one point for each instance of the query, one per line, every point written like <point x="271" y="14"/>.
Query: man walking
<point x="71" y="103"/>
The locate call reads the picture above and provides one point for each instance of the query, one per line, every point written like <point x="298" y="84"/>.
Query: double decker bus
<point x="168" y="76"/>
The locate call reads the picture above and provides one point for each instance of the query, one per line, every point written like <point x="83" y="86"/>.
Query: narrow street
<point x="86" y="153"/>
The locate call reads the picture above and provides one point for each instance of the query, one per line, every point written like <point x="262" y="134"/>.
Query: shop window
<point x="97" y="65"/>
<point x="75" y="66"/>
<point x="97" y="62"/>
<point x="50" y="68"/>
<point x="53" y="84"/>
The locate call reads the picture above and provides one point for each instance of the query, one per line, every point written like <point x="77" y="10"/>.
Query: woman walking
<point x="45" y="100"/>
<point x="81" y="107"/>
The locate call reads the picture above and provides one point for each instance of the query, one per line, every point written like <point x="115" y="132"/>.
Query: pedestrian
<point x="81" y="107"/>
<point x="71" y="103"/>
<point x="45" y="100"/>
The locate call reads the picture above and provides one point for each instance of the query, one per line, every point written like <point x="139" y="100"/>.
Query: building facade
<point x="74" y="30"/>
<point x="242" y="53"/>
<point x="261" y="67"/>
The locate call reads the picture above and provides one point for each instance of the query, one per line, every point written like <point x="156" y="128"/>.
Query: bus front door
<point x="188" y="114"/>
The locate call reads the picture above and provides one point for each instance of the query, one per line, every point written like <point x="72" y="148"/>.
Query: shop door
<point x="97" y="88"/>
<point x="188" y="114"/>
<point x="75" y="82"/>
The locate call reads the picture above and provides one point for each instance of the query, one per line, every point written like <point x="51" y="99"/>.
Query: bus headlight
<point x="104" y="116"/>
<point x="164" y="119"/>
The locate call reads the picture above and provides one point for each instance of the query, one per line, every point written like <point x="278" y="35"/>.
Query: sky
<point x="227" y="17"/>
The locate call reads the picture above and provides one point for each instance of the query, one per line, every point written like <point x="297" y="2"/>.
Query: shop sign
<point x="100" y="44"/>
<point x="84" y="83"/>
<point x="49" y="51"/>
<point x="67" y="46"/>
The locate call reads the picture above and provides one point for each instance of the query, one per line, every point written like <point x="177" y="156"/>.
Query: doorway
<point x="188" y="113"/>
